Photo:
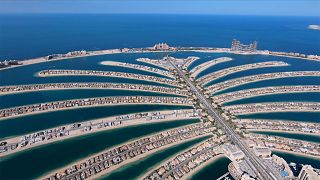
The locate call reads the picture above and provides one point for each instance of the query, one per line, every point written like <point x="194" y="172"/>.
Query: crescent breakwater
<point x="90" y="102"/>
<point x="202" y="67"/>
<point x="273" y="107"/>
<point x="50" y="73"/>
<point x="4" y="90"/>
<point x="138" y="67"/>
<point x="20" y="143"/>
<point x="83" y="53"/>
<point x="108" y="160"/>
<point x="186" y="163"/>
<point x="224" y="72"/>
<point x="256" y="78"/>
<point x="233" y="96"/>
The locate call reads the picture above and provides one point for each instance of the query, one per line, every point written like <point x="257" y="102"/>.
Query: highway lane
<point x="253" y="161"/>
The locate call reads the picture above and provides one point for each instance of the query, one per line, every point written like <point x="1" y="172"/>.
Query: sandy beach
<point x="117" y="51"/>
<point x="169" y="159"/>
<point x="78" y="133"/>
<point x="283" y="131"/>
<point x="199" y="168"/>
<point x="115" y="167"/>
<point x="202" y="67"/>
<point x="138" y="67"/>
<point x="44" y="59"/>
<point x="86" y="106"/>
<point x="257" y="78"/>
<point x="257" y="92"/>
<point x="261" y="52"/>
<point x="296" y="153"/>
<point x="124" y="75"/>
<point x="130" y="87"/>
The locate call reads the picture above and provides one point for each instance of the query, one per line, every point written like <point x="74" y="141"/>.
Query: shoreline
<point x="43" y="59"/>
<point x="137" y="67"/>
<point x="110" y="170"/>
<point x="265" y="91"/>
<point x="112" y="74"/>
<point x="196" y="170"/>
<point x="284" y="131"/>
<point x="126" y="123"/>
<point x="99" y="105"/>
<point x="119" y="51"/>
<point x="108" y="103"/>
<point x="296" y="153"/>
<point x="209" y="78"/>
<point x="95" y="88"/>
<point x="169" y="159"/>
<point x="257" y="108"/>
<point x="208" y="64"/>
<point x="228" y="84"/>
<point x="78" y="161"/>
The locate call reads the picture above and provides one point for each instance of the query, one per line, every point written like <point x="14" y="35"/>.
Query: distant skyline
<point x="217" y="7"/>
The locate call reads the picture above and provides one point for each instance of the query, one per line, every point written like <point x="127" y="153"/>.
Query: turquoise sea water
<point x="289" y="157"/>
<point x="294" y="65"/>
<point x="27" y="74"/>
<point x="303" y="137"/>
<point x="37" y="161"/>
<point x="139" y="168"/>
<point x="214" y="170"/>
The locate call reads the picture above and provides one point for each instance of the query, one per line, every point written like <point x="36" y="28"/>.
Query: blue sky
<point x="221" y="7"/>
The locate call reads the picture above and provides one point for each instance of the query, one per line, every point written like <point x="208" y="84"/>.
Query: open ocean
<point x="27" y="35"/>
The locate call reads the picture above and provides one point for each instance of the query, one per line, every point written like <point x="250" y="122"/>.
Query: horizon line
<point x="183" y="14"/>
